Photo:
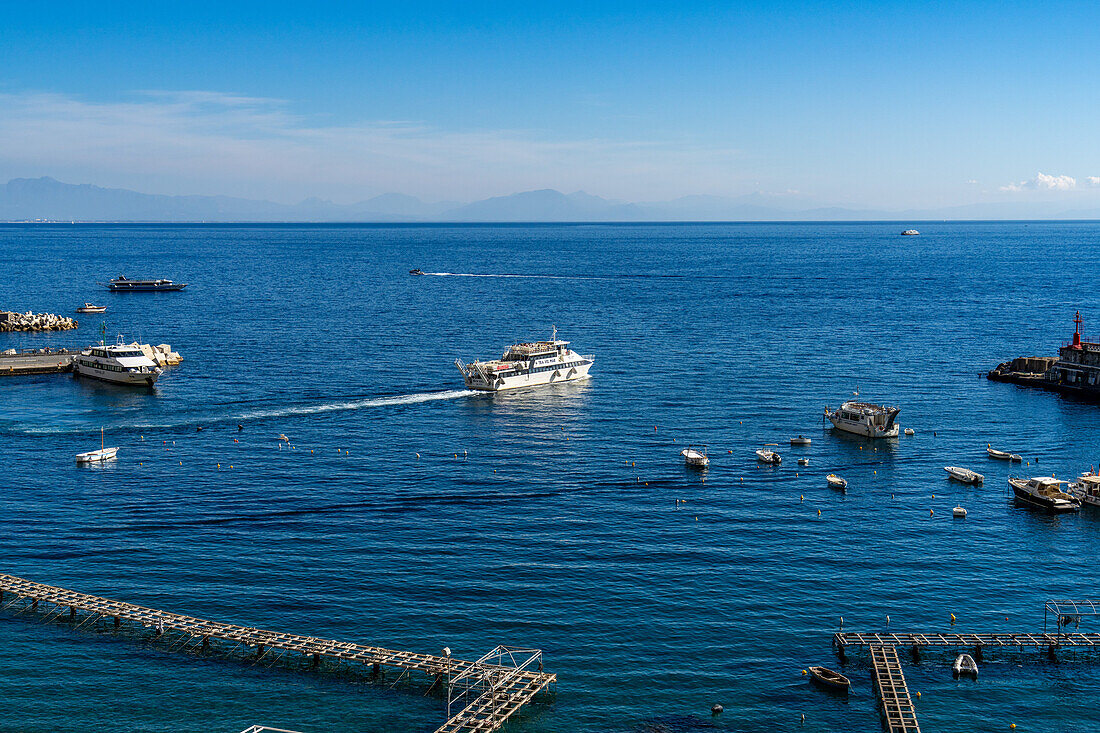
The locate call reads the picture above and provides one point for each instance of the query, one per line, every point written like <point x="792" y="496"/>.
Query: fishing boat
<point x="866" y="419"/>
<point x="1003" y="455"/>
<point x="800" y="441"/>
<point x="123" y="284"/>
<point x="1087" y="489"/>
<point x="964" y="474"/>
<point x="958" y="512"/>
<point x="836" y="482"/>
<point x="527" y="365"/>
<point x="1044" y="492"/>
<point x="97" y="456"/>
<point x="767" y="455"/>
<point x="829" y="679"/>
<point x="90" y="308"/>
<point x="695" y="457"/>
<point x="417" y="271"/>
<point x="965" y="666"/>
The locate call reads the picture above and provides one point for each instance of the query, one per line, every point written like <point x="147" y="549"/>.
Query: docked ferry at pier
<point x="527" y="365"/>
<point x="863" y="418"/>
<point x="119" y="363"/>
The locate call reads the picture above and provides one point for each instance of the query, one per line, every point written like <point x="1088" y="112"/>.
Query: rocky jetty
<point x="28" y="321"/>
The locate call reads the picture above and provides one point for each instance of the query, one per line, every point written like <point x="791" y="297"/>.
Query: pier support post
<point x="915" y="652"/>
<point x="376" y="670"/>
<point x="978" y="652"/>
<point x="1052" y="652"/>
<point x="316" y="660"/>
<point x="72" y="613"/>
<point x="34" y="604"/>
<point x="259" y="650"/>
<point x="118" y="622"/>
<point x="206" y="643"/>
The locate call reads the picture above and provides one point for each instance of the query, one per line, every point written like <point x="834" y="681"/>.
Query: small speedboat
<point x="767" y="455"/>
<point x="829" y="679"/>
<point x="964" y="474"/>
<point x="90" y="308"/>
<point x="965" y="666"/>
<point x="910" y="233"/>
<point x="958" y="512"/>
<point x="417" y="271"/>
<point x="97" y="456"/>
<point x="836" y="482"/>
<point x="695" y="457"/>
<point x="1003" y="455"/>
<point x="800" y="441"/>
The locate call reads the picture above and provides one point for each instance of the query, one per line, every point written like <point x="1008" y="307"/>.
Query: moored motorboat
<point x="696" y="457"/>
<point x="97" y="456"/>
<point x="1044" y="492"/>
<point x="829" y="679"/>
<point x="836" y="481"/>
<point x="964" y="474"/>
<point x="965" y="666"/>
<point x="910" y="431"/>
<point x="803" y="461"/>
<point x="959" y="512"/>
<point x="767" y="455"/>
<point x="1003" y="455"/>
<point x="866" y="419"/>
<point x="1087" y="489"/>
<point x="800" y="440"/>
<point x="91" y="308"/>
<point x="910" y="233"/>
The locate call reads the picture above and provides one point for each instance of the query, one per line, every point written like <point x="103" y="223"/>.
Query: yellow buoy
<point x="953" y="618"/>
<point x="918" y="695"/>
<point x="801" y="497"/>
<point x="931" y="512"/>
<point x="819" y="512"/>
<point x="219" y="465"/>
<point x="181" y="463"/>
<point x="803" y="671"/>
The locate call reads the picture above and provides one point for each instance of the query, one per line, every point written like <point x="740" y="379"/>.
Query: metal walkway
<point x="895" y="703"/>
<point x="493" y="688"/>
<point x="990" y="641"/>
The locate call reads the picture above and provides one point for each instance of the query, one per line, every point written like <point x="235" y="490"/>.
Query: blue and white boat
<point x="123" y="284"/>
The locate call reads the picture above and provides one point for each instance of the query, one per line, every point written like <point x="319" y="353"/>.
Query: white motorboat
<point x="959" y="512"/>
<point x="695" y="457"/>
<point x="965" y="666"/>
<point x="910" y="431"/>
<point x="910" y="233"/>
<point x="527" y="365"/>
<point x="836" y="482"/>
<point x="1003" y="455"/>
<point x="120" y="363"/>
<point x="866" y="419"/>
<point x="803" y="461"/>
<point x="964" y="474"/>
<point x="767" y="455"/>
<point x="800" y="440"/>
<point x="97" y="456"/>
<point x="1087" y="489"/>
<point x="90" y="308"/>
<point x="1044" y="492"/>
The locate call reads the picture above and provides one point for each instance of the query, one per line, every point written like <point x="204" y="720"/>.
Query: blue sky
<point x="868" y="104"/>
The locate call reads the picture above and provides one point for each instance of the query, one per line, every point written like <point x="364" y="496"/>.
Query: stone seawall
<point x="12" y="322"/>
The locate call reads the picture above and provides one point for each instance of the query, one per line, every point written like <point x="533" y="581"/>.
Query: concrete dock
<point x="38" y="361"/>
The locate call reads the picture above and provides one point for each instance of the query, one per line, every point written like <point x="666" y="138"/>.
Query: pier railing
<point x="493" y="688"/>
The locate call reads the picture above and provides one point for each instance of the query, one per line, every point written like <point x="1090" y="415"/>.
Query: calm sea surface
<point x="557" y="525"/>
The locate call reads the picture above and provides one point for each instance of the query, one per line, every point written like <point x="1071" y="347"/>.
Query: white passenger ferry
<point x="863" y="418"/>
<point x="527" y="365"/>
<point x="119" y="363"/>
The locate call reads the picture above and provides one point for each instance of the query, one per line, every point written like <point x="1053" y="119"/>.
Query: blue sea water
<point x="556" y="526"/>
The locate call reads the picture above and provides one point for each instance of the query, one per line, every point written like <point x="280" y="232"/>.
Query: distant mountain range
<point x="46" y="199"/>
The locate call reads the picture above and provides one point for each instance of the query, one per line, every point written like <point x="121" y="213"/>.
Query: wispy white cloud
<point x="209" y="142"/>
<point x="1042" y="181"/>
<point x="1093" y="180"/>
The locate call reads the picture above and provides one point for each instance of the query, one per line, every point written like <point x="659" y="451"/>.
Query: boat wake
<point x="531" y="277"/>
<point x="263" y="413"/>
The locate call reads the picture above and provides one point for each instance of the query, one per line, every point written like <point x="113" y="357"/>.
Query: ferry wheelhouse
<point x="119" y="363"/>
<point x="863" y="418"/>
<point x="527" y="365"/>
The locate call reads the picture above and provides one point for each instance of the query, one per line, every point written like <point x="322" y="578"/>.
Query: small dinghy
<point x="836" y="482"/>
<point x="695" y="457"/>
<point x="958" y="512"/>
<point x="910" y="431"/>
<point x="830" y="680"/>
<point x="767" y="455"/>
<point x="803" y="461"/>
<point x="965" y="666"/>
<point x="1003" y="455"/>
<point x="97" y="456"/>
<point x="964" y="474"/>
<point x="800" y="441"/>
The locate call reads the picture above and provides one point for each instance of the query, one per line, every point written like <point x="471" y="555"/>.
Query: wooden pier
<point x="898" y="714"/>
<point x="985" y="641"/>
<point x="482" y="694"/>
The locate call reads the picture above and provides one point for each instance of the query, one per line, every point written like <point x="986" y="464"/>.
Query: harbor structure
<point x="1076" y="369"/>
<point x="481" y="694"/>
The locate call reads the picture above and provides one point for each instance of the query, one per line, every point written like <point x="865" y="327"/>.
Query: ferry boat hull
<point x="137" y="379"/>
<point x="566" y="373"/>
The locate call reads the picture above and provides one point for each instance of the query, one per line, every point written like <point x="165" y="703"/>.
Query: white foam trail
<point x="538" y="277"/>
<point x="410" y="399"/>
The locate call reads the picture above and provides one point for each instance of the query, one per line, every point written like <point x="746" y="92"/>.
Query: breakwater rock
<point x="28" y="321"/>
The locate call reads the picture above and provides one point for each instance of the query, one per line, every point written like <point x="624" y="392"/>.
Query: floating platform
<point x="481" y="695"/>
